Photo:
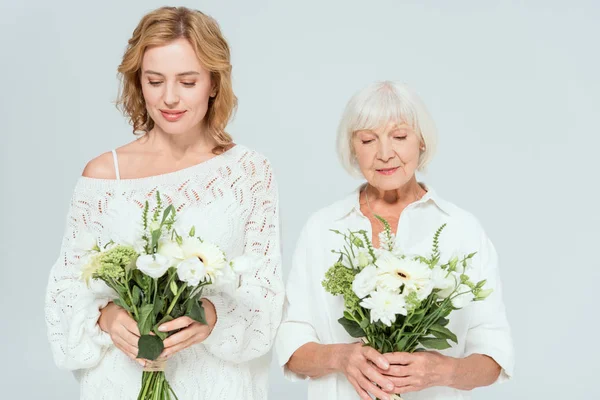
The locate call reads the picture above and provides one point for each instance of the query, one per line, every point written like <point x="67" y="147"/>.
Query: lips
<point x="172" y="115"/>
<point x="387" y="171"/>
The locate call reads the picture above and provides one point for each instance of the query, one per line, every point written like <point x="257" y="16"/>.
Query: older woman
<point x="386" y="135"/>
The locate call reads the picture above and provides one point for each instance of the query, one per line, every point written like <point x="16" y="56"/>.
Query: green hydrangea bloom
<point x="114" y="261"/>
<point x="338" y="281"/>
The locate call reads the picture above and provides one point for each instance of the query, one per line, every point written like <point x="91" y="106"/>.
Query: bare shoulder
<point x="101" y="167"/>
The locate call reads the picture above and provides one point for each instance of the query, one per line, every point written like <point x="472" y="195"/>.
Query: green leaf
<point x="150" y="347"/>
<point x="196" y="312"/>
<point x="192" y="231"/>
<point x="442" y="321"/>
<point x="145" y="322"/>
<point x="173" y="287"/>
<point x="401" y="343"/>
<point x="158" y="305"/>
<point x="122" y="304"/>
<point x="137" y="295"/>
<point x="168" y="211"/>
<point x="441" y="332"/>
<point x="178" y="311"/>
<point x="434" y="343"/>
<point x="155" y="236"/>
<point x="161" y="335"/>
<point x="352" y="328"/>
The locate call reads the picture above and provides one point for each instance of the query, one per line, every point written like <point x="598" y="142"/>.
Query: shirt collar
<point x="350" y="204"/>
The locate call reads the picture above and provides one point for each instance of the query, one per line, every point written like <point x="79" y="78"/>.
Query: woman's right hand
<point x="123" y="330"/>
<point x="356" y="362"/>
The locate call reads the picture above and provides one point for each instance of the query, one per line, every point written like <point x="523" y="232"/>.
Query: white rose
<point x="153" y="265"/>
<point x="171" y="250"/>
<point x="191" y="271"/>
<point x="464" y="298"/>
<point x="365" y="281"/>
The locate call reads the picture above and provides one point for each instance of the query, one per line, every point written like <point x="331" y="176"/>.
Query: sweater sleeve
<point x="71" y="308"/>
<point x="248" y="318"/>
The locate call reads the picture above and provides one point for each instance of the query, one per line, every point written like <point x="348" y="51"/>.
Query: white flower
<point x="365" y="281"/>
<point x="385" y="306"/>
<point x="395" y="272"/>
<point x="191" y="271"/>
<point x="386" y="242"/>
<point x="464" y="298"/>
<point x="153" y="265"/>
<point x="362" y="259"/>
<point x="444" y="281"/>
<point x="210" y="255"/>
<point x="171" y="250"/>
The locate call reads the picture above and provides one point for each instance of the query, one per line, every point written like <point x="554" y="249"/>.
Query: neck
<point x="406" y="194"/>
<point x="195" y="141"/>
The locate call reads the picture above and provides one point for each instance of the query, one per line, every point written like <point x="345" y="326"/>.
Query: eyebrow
<point x="187" y="73"/>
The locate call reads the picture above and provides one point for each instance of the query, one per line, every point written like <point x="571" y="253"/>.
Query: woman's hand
<point x="411" y="372"/>
<point x="123" y="330"/>
<point x="364" y="368"/>
<point x="192" y="332"/>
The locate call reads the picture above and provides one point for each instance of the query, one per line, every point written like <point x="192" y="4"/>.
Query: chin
<point x="388" y="184"/>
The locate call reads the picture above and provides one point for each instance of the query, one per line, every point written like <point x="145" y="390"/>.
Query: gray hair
<point x="375" y="106"/>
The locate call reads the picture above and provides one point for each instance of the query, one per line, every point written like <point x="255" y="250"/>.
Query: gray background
<point x="512" y="85"/>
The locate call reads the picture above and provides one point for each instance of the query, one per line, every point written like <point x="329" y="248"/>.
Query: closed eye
<point x="154" y="83"/>
<point x="400" y="137"/>
<point x="366" y="141"/>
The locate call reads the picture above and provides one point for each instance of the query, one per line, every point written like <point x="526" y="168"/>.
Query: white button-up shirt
<point x="311" y="314"/>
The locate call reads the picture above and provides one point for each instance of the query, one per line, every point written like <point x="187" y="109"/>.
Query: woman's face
<point x="176" y="87"/>
<point x="388" y="156"/>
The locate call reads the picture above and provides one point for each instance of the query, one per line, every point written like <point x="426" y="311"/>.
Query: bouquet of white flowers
<point x="157" y="278"/>
<point x="397" y="302"/>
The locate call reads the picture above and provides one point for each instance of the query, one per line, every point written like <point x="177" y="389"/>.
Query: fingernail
<point x="389" y="386"/>
<point x="162" y="328"/>
<point x="141" y="362"/>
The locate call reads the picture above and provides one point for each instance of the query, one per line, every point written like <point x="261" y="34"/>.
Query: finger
<point x="401" y="382"/>
<point x="178" y="347"/>
<point x="373" y="376"/>
<point x="125" y="348"/>
<point x="399" y="358"/>
<point x="376" y="358"/>
<point x="177" y="323"/>
<point x="371" y="388"/>
<point x="180" y="336"/>
<point x="394" y="370"/>
<point x="128" y="337"/>
<point x="363" y="395"/>
<point x="130" y="324"/>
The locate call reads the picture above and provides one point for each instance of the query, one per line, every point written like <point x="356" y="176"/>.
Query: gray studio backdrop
<point x="512" y="85"/>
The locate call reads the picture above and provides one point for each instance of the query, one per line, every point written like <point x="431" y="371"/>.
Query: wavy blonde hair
<point x="159" y="28"/>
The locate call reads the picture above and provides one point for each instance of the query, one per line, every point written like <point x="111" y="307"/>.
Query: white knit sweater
<point x="232" y="200"/>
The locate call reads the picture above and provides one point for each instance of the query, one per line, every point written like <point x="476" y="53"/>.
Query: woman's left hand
<point x="411" y="372"/>
<point x="191" y="333"/>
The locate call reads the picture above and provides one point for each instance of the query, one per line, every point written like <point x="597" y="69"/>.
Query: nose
<point x="171" y="95"/>
<point x="385" y="152"/>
